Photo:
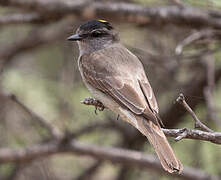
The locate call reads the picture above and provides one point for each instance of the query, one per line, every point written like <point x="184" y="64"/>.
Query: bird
<point x="116" y="78"/>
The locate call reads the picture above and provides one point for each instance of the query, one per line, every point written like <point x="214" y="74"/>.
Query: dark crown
<point x="96" y="24"/>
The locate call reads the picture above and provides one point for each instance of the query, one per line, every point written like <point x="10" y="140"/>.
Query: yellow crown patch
<point x="101" y="20"/>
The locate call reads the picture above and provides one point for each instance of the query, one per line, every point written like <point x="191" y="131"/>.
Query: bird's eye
<point x="96" y="33"/>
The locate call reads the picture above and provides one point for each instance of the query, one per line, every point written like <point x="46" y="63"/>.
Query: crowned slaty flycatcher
<point x="116" y="77"/>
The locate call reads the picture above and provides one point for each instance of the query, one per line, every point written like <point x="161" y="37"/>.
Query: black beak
<point x="74" y="37"/>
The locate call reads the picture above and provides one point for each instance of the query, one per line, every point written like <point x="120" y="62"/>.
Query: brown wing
<point x="148" y="92"/>
<point x="118" y="73"/>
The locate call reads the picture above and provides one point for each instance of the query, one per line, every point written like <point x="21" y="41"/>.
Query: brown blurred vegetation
<point x="41" y="88"/>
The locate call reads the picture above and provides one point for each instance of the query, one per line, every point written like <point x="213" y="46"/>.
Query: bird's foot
<point x="93" y="102"/>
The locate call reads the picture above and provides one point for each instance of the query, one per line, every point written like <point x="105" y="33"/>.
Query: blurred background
<point x="41" y="89"/>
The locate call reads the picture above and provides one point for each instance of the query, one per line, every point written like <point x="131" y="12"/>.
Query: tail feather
<point x="161" y="145"/>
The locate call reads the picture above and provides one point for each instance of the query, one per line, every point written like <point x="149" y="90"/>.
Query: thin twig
<point x="53" y="131"/>
<point x="198" y="123"/>
<point x="192" y="38"/>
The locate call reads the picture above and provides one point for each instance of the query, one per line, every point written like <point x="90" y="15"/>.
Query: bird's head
<point x="94" y="35"/>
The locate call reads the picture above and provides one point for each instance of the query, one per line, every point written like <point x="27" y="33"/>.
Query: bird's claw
<point x="97" y="104"/>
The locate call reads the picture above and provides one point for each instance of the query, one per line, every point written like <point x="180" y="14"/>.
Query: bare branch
<point x="20" y="18"/>
<point x="179" y="134"/>
<point x="124" y="12"/>
<point x="53" y="131"/>
<point x="198" y="123"/>
<point x="116" y="155"/>
<point x="170" y="119"/>
<point x="190" y="39"/>
<point x="214" y="137"/>
<point x="206" y="34"/>
<point x="38" y="37"/>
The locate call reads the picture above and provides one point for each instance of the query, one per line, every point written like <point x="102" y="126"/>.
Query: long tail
<point x="160" y="143"/>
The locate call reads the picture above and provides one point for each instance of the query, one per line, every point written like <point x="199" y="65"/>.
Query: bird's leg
<point x="91" y="101"/>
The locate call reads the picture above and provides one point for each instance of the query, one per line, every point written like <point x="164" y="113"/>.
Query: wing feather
<point x="124" y="81"/>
